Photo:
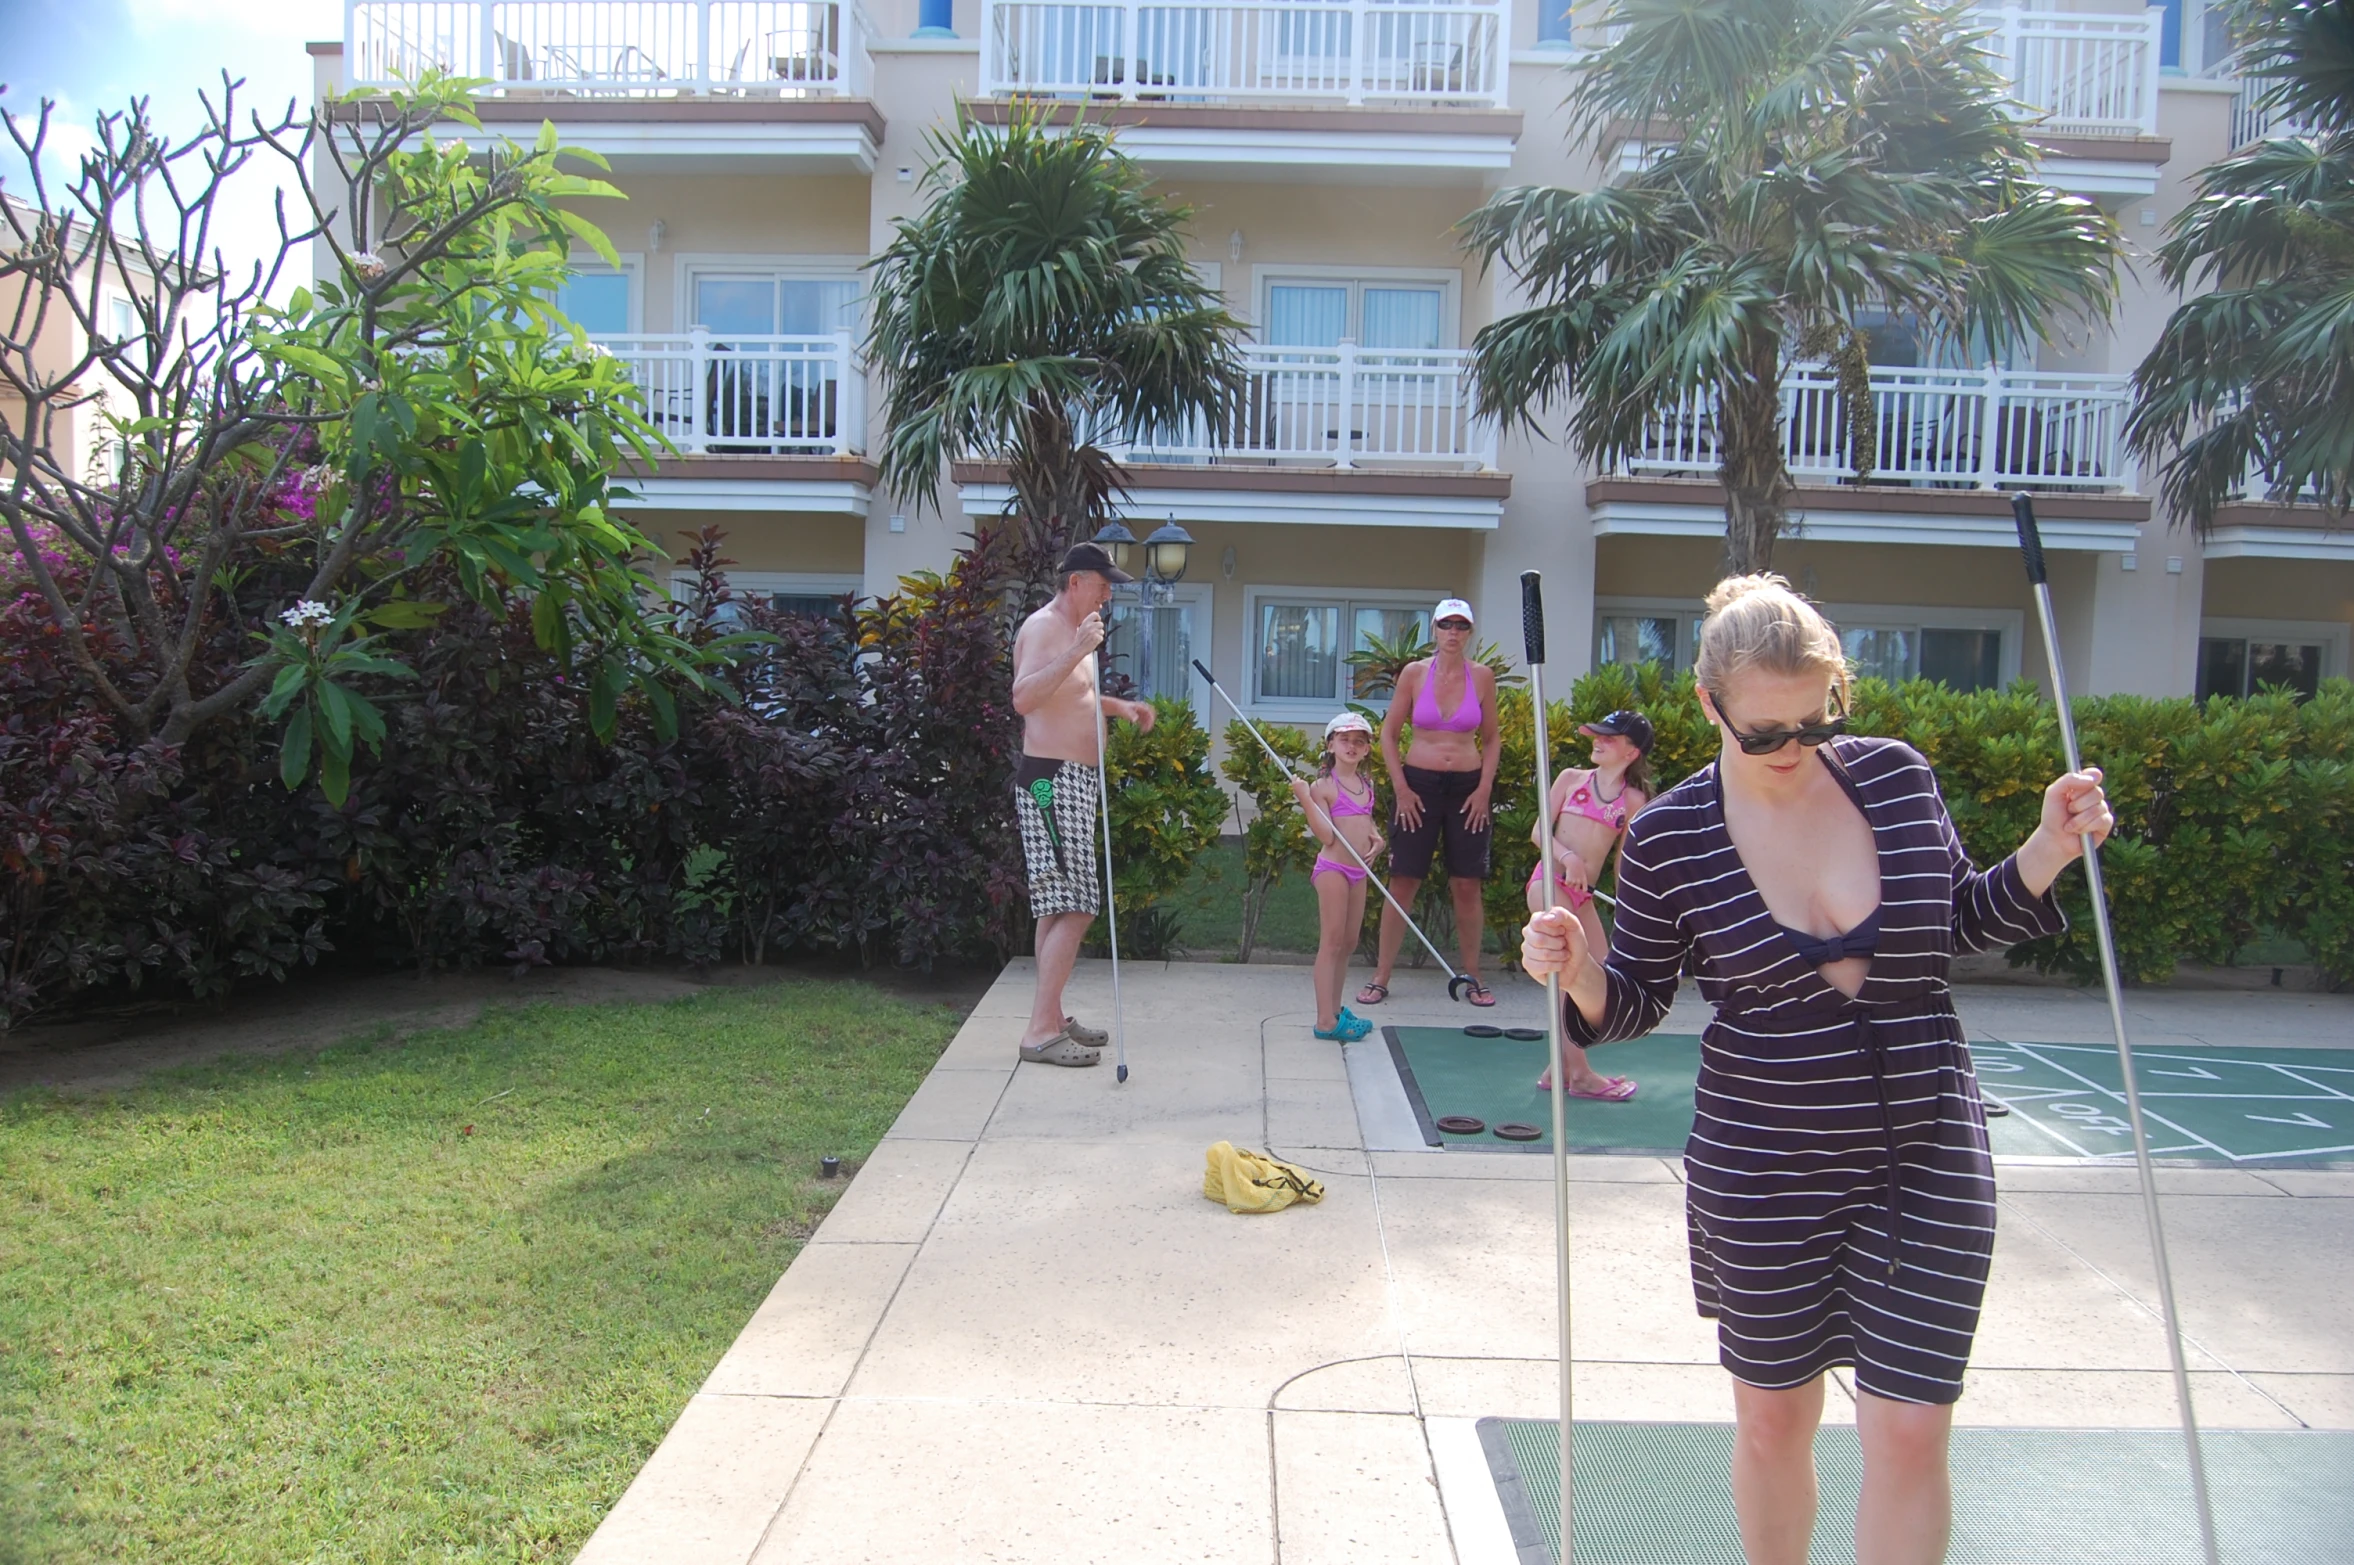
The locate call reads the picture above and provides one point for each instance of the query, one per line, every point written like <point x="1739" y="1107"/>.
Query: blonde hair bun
<point x="1758" y="621"/>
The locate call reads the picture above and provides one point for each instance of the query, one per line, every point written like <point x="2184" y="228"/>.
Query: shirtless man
<point x="1056" y="791"/>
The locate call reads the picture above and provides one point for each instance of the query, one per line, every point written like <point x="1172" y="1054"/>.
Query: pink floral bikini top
<point x="1608" y="812"/>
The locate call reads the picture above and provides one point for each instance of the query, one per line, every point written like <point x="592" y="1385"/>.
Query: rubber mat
<point x="1494" y="1080"/>
<point x="1657" y="1494"/>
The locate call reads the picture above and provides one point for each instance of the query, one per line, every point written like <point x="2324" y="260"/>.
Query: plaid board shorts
<point x="1055" y="802"/>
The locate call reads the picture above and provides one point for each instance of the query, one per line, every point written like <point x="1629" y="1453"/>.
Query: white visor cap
<point x="1453" y="608"/>
<point x="1348" y="723"/>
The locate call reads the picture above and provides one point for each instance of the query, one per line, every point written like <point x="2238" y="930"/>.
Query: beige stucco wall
<point x="766" y="540"/>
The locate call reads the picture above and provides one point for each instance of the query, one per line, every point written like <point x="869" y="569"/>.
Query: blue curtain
<point x="1303" y="316"/>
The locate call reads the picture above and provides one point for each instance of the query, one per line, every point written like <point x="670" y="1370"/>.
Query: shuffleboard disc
<point x="1524" y="1034"/>
<point x="1483" y="1030"/>
<point x="1461" y="1124"/>
<point x="1513" y="1130"/>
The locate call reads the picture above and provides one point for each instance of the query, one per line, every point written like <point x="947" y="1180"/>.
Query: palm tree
<point x="1831" y="159"/>
<point x="2257" y="375"/>
<point x="1038" y="309"/>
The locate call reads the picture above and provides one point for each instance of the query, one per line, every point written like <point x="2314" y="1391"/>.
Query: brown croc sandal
<point x="1061" y="1049"/>
<point x="1093" y="1037"/>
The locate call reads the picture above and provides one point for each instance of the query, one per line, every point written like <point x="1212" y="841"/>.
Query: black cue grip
<point x="1532" y="616"/>
<point x="1207" y="676"/>
<point x="2030" y="540"/>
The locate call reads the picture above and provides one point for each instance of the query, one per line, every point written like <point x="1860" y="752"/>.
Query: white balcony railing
<point x="1340" y="51"/>
<point x="2252" y="120"/>
<point x="1339" y="407"/>
<point x="627" y="48"/>
<point x="1976" y="429"/>
<point x="774" y="396"/>
<point x="2086" y="73"/>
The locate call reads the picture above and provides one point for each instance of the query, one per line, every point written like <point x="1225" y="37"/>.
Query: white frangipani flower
<point x="368" y="264"/>
<point x="308" y="613"/>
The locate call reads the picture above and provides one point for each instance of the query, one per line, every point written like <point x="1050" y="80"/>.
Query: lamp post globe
<point x="1116" y="540"/>
<point x="1167" y="551"/>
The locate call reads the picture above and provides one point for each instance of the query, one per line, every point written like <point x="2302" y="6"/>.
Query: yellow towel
<point x="1255" y="1182"/>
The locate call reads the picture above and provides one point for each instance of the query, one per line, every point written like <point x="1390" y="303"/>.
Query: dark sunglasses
<point x="1773" y="739"/>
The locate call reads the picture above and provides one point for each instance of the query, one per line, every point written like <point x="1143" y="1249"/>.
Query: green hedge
<point x="2235" y="819"/>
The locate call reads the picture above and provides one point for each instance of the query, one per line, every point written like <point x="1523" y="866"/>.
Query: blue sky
<point x="94" y="55"/>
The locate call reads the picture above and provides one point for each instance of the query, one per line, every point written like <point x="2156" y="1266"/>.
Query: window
<point x="768" y="304"/>
<point x="597" y="301"/>
<point x="122" y="318"/>
<point x="1965" y="649"/>
<point x="2241" y="657"/>
<point x="1300" y="644"/>
<point x="1634" y="631"/>
<point x="1159" y="658"/>
<point x="1399" y="314"/>
<point x="784" y="592"/>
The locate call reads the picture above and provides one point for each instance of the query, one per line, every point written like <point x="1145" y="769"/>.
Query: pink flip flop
<point x="1620" y="1089"/>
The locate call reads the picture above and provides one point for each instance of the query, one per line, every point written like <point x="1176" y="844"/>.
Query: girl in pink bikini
<point x="1339" y="807"/>
<point x="1589" y="814"/>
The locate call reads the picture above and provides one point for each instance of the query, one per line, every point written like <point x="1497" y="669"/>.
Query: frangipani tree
<point x="2255" y="377"/>
<point x="1038" y="310"/>
<point x="1828" y="160"/>
<point x="418" y="413"/>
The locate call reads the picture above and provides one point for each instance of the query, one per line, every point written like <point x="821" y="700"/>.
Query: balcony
<point x="1348" y="53"/>
<point x="2083" y="73"/>
<point x="616" y="48"/>
<point x="2252" y="120"/>
<point x="757" y="423"/>
<point x="1938" y="428"/>
<point x="1342" y="407"/>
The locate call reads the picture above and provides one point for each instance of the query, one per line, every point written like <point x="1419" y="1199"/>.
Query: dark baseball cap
<point x="1628" y="724"/>
<point x="1092" y="557"/>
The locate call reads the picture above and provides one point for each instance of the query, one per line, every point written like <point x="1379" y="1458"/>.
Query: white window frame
<point x="800" y="268"/>
<point x="1687" y="613"/>
<point x="1354" y="278"/>
<point x="632" y="267"/>
<point x="2010" y="623"/>
<point x="1196" y="599"/>
<point x="1290" y="710"/>
<point x="2333" y="636"/>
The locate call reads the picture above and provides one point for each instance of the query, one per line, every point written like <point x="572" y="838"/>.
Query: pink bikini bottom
<point x="1349" y="872"/>
<point x="1572" y="896"/>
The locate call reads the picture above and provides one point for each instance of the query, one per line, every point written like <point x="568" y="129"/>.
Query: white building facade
<point x="1329" y="150"/>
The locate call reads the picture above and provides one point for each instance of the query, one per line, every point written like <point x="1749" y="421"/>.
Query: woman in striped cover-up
<point x="1840" y="1196"/>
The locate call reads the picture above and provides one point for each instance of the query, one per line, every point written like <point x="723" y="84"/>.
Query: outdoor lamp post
<point x="1166" y="554"/>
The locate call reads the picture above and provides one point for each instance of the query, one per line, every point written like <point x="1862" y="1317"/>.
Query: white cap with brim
<point x="1348" y="723"/>
<point x="1453" y="608"/>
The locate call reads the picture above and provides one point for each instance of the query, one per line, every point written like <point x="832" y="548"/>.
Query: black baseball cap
<point x="1092" y="557"/>
<point x="1626" y="723"/>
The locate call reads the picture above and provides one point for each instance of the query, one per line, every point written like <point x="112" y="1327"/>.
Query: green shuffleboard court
<point x="1658" y="1494"/>
<point x="2212" y="1107"/>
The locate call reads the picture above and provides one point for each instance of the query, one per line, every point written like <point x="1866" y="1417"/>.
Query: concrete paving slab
<point x="1368" y="1385"/>
<point x="2318" y="1401"/>
<point x="2046" y="1308"/>
<point x="706" y="1495"/>
<point x="895" y="1194"/>
<point x="1174" y="1095"/>
<point x="953" y="1105"/>
<point x="808" y="1334"/>
<point x="2311" y="1184"/>
<point x="1353" y="1487"/>
<point x="1610" y="1391"/>
<point x="1587" y="1168"/>
<point x="1098" y="1273"/>
<point x="2111" y="1399"/>
<point x="2261" y="1284"/>
<point x="1474" y="1263"/>
<point x="1302" y="1115"/>
<point x="1030" y="1484"/>
<point x="2113" y="1179"/>
<point x="1293" y="1052"/>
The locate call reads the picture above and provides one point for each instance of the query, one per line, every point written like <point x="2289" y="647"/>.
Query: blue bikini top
<point x="1862" y="940"/>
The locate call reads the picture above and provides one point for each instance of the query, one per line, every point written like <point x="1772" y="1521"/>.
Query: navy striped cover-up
<point x="1839" y="1192"/>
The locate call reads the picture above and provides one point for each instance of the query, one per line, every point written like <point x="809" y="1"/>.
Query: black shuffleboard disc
<point x="1524" y="1034"/>
<point x="1461" y="1124"/>
<point x="1513" y="1130"/>
<point x="1483" y="1030"/>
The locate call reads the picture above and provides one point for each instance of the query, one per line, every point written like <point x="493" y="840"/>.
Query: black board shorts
<point x="1442" y="795"/>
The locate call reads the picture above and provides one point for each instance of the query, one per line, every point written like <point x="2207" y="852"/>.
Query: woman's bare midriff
<point x="1588" y="838"/>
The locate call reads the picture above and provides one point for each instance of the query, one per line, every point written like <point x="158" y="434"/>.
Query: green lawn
<point x="433" y="1300"/>
<point x="1210" y="902"/>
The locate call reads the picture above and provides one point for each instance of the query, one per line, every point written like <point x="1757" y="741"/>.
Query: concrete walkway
<point x="1023" y="1335"/>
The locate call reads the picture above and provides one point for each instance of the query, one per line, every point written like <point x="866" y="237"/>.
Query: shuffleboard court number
<point x="2089" y="1116"/>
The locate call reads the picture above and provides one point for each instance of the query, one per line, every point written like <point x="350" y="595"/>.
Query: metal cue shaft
<point x="2031" y="548"/>
<point x="1532" y="625"/>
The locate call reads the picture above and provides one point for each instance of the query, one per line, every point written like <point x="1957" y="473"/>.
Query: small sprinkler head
<point x="829" y="1168"/>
